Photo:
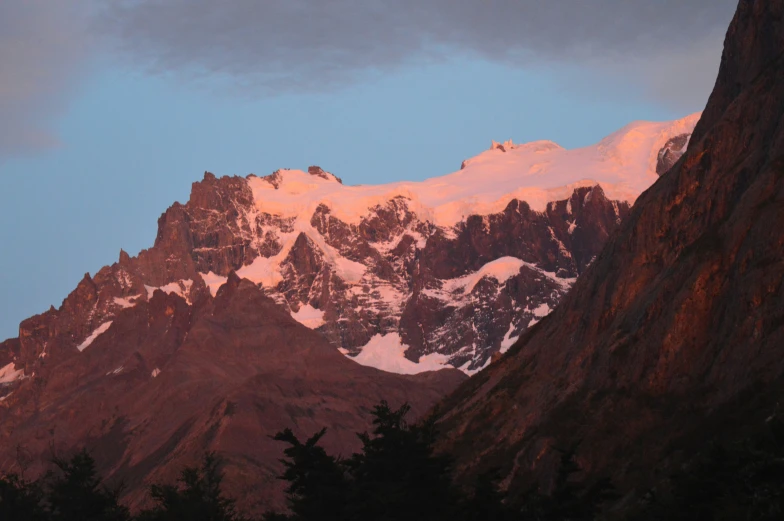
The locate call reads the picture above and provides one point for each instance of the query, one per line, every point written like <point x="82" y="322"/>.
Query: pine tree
<point x="20" y="500"/>
<point x="318" y="487"/>
<point x="74" y="492"/>
<point x="726" y="481"/>
<point x="198" y="497"/>
<point x="397" y="476"/>
<point x="570" y="499"/>
<point x="487" y="501"/>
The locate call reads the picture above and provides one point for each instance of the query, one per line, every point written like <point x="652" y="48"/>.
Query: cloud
<point x="42" y="45"/>
<point x="669" y="48"/>
<point x="680" y="78"/>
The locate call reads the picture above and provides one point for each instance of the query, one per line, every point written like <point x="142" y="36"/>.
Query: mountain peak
<point x="323" y="174"/>
<point x="503" y="147"/>
<point x="287" y="175"/>
<point x="542" y="145"/>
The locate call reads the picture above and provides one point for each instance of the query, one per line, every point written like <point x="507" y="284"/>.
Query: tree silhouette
<point x="20" y="500"/>
<point x="743" y="480"/>
<point x="74" y="492"/>
<point x="198" y="497"/>
<point x="487" y="501"/>
<point x="397" y="475"/>
<point x="318" y="487"/>
<point x="571" y="499"/>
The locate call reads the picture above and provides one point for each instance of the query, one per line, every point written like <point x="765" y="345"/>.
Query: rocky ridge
<point x="435" y="283"/>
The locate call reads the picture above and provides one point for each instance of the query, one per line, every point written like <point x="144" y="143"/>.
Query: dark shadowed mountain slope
<point x="168" y="381"/>
<point x="676" y="332"/>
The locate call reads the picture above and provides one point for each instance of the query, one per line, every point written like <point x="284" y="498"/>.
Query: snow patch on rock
<point x="508" y="340"/>
<point x="542" y="310"/>
<point x="501" y="269"/>
<point x="387" y="352"/>
<point x="126" y="302"/>
<point x="213" y="281"/>
<point x="180" y="287"/>
<point x="8" y="374"/>
<point x="309" y="316"/>
<point x="264" y="270"/>
<point x="267" y="270"/>
<point x="95" y="334"/>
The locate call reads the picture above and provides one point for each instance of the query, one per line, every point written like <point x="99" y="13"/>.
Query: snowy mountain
<point x="232" y="325"/>
<point x="405" y="277"/>
<point x="368" y="265"/>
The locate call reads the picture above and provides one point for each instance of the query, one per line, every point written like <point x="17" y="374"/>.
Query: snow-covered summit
<point x="623" y="164"/>
<point x="407" y="276"/>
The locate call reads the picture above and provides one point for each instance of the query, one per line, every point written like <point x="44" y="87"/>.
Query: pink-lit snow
<point x="387" y="352"/>
<point x="95" y="334"/>
<point x="309" y="316"/>
<point x="180" y="287"/>
<point x="624" y="164"/>
<point x="8" y="374"/>
<point x="500" y="269"/>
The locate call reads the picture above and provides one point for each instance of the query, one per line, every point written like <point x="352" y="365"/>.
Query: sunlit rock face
<point x="675" y="334"/>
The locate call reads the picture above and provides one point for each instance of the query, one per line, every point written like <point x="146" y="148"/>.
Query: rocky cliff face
<point x="393" y="274"/>
<point x="675" y="333"/>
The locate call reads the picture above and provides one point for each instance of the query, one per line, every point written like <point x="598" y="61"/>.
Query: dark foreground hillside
<point x="169" y="381"/>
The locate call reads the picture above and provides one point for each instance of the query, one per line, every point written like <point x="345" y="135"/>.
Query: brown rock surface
<point x="676" y="332"/>
<point x="9" y="351"/>
<point x="168" y="381"/>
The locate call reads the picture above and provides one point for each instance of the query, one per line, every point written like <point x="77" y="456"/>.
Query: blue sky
<point x="100" y="139"/>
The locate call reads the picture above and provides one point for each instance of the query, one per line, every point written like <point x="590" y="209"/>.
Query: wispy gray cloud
<point x="42" y="45"/>
<point x="670" y="48"/>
